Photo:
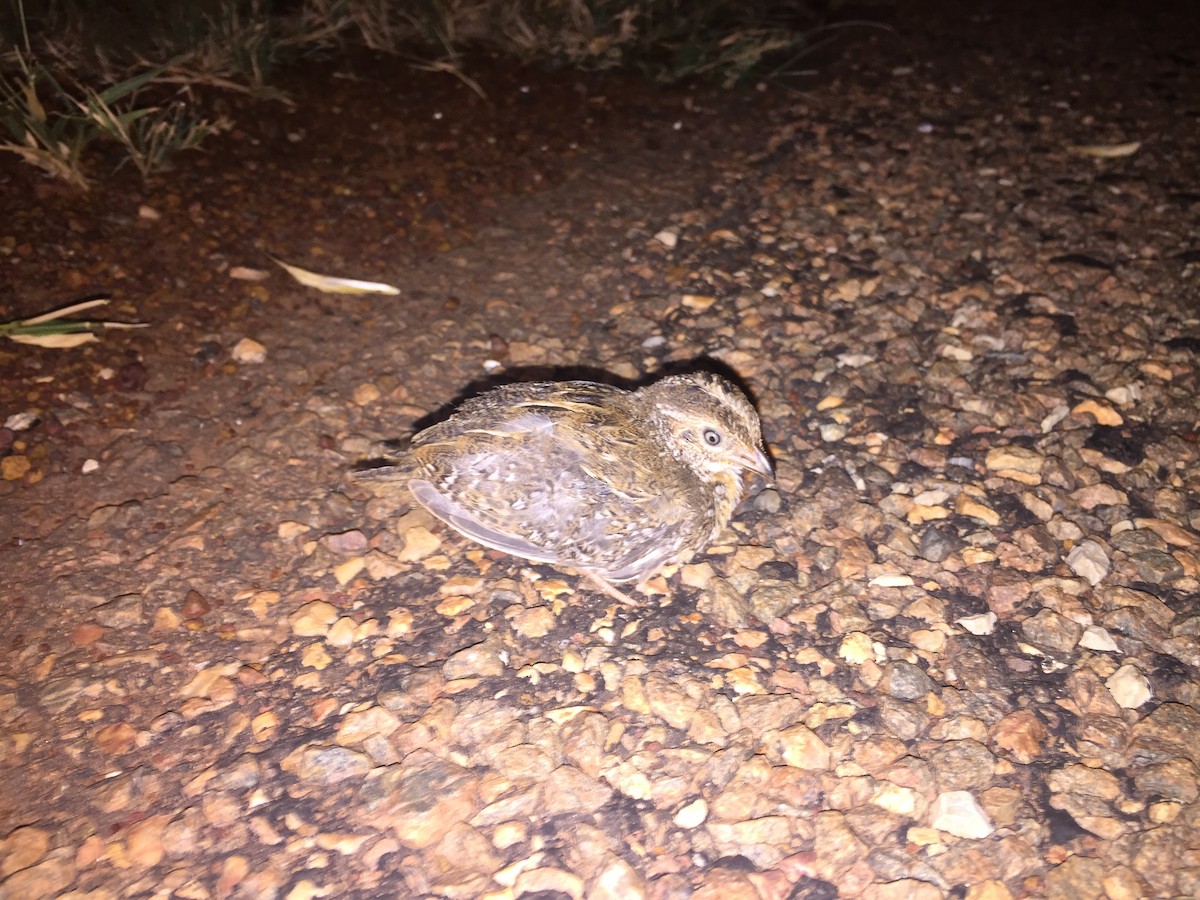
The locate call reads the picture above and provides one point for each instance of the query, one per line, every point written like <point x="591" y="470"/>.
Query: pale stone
<point x="693" y="814"/>
<point x="1088" y="560"/>
<point x="342" y="633"/>
<point x="982" y="623"/>
<point x="972" y="508"/>
<point x="1082" y="780"/>
<point x="1052" y="631"/>
<point x="1157" y="370"/>
<point x="959" y="354"/>
<point x="1163" y="813"/>
<point x="697" y="302"/>
<point x="419" y="542"/>
<point x="14" y="467"/>
<point x="847" y="291"/>
<point x="896" y="799"/>
<point x="831" y="432"/>
<point x="366" y="394"/>
<point x="315" y="657"/>
<point x="249" y="352"/>
<point x="289" y="530"/>
<point x="1096" y="638"/>
<point x="357" y="726"/>
<point x="1055" y="416"/>
<point x="1016" y="459"/>
<point x="959" y="813"/>
<point x="932" y="497"/>
<point x="1099" y="494"/>
<point x="615" y="879"/>
<point x="1129" y="687"/>
<point x="919" y="514"/>
<point x="1101" y="412"/>
<point x="974" y="556"/>
<point x="482" y="660"/>
<point x="928" y="640"/>
<point x="1169" y="532"/>
<point x="800" y="748"/>
<point x="856" y="648"/>
<point x="313" y="619"/>
<point x="506" y="834"/>
<point x="855" y="360"/>
<point x="345" y="572"/>
<point x="533" y="623"/>
<point x="1037" y="506"/>
<point x="209" y="681"/>
<point x="891" y="581"/>
<point x="1124" y="394"/>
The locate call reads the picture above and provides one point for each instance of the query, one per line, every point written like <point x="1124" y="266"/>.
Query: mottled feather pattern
<point x="614" y="483"/>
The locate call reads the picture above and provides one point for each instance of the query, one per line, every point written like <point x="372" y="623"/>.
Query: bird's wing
<point x="537" y="483"/>
<point x="607" y="447"/>
<point x="468" y="522"/>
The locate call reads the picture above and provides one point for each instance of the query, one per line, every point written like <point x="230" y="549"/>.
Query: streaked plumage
<point x="615" y="484"/>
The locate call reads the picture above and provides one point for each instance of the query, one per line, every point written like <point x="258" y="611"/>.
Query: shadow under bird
<point x="611" y="483"/>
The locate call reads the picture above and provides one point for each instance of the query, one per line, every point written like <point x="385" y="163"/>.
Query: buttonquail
<point x="614" y="484"/>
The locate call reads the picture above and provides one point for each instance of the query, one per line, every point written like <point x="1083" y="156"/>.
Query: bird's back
<point x="564" y="473"/>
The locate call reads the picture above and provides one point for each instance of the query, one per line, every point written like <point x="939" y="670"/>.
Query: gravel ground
<point x="951" y="652"/>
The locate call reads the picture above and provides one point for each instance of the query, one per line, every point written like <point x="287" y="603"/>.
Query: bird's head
<point x="711" y="425"/>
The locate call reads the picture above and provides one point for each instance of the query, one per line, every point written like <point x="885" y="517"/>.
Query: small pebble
<point x="959" y="813"/>
<point x="249" y="352"/>
<point x="1129" y="687"/>
<point x="1088" y="560"/>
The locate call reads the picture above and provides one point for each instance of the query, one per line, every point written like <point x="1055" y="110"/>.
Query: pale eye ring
<point x="712" y="437"/>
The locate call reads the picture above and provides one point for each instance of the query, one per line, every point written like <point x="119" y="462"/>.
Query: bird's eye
<point x="712" y="437"/>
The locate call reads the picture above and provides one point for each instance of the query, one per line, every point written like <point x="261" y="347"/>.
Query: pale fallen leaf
<point x="892" y="580"/>
<point x="51" y="329"/>
<point x="1106" y="151"/>
<point x="66" y="311"/>
<point x="244" y="273"/>
<point x="331" y="284"/>
<point x="58" y="341"/>
<point x="21" y="421"/>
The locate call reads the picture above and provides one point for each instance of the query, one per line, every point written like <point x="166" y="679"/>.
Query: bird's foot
<point x="612" y="591"/>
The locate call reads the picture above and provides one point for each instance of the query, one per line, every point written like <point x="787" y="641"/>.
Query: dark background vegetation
<point x="146" y="77"/>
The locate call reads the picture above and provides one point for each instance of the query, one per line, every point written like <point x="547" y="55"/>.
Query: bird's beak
<point x="758" y="462"/>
